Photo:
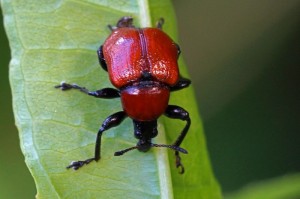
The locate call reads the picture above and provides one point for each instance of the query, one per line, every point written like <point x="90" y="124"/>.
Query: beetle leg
<point x="181" y="84"/>
<point x="106" y="93"/>
<point x="160" y="23"/>
<point x="124" y="22"/>
<point x="176" y="112"/>
<point x="111" y="121"/>
<point x="101" y="58"/>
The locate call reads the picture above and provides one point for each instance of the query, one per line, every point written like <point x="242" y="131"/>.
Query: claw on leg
<point x="65" y="86"/>
<point x="78" y="164"/>
<point x="178" y="163"/>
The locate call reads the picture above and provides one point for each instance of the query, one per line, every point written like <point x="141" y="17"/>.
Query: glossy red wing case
<point x="129" y="52"/>
<point x="162" y="55"/>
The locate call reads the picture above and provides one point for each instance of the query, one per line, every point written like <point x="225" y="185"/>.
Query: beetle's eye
<point x="178" y="49"/>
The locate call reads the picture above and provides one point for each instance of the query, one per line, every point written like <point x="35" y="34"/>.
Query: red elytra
<point x="129" y="52"/>
<point x="132" y="52"/>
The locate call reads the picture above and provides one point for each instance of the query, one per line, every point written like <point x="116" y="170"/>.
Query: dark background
<point x="244" y="61"/>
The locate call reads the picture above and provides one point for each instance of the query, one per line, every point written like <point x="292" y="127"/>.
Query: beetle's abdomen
<point x="145" y="101"/>
<point x="130" y="52"/>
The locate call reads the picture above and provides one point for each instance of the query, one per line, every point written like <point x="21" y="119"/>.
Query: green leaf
<point x="53" y="41"/>
<point x="284" y="187"/>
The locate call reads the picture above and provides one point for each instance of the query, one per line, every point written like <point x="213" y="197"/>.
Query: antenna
<point x="173" y="147"/>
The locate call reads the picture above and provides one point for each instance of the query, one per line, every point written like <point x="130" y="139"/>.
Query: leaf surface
<point x="52" y="41"/>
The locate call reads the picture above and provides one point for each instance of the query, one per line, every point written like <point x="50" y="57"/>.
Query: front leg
<point x="106" y="93"/>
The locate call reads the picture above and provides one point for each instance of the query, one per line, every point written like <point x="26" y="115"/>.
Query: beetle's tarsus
<point x="124" y="22"/>
<point x="178" y="163"/>
<point x="160" y="23"/>
<point x="66" y="86"/>
<point x="78" y="164"/>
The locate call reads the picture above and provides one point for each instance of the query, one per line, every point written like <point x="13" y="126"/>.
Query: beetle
<point x="142" y="66"/>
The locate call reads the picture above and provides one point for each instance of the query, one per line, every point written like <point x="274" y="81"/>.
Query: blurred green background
<point x="244" y="61"/>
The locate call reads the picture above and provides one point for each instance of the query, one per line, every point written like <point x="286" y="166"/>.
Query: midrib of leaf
<point x="145" y="19"/>
<point x="164" y="173"/>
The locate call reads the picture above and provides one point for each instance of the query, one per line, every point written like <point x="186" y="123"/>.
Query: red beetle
<point x="142" y="65"/>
